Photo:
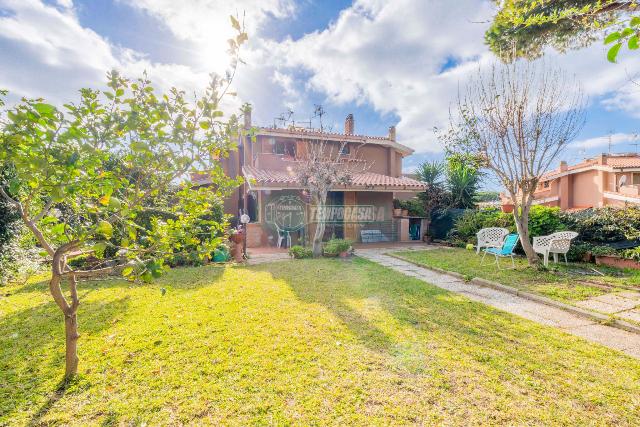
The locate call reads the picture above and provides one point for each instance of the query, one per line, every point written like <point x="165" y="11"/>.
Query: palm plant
<point x="435" y="195"/>
<point x="463" y="183"/>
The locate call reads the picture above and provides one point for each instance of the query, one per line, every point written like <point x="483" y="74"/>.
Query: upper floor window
<point x="545" y="184"/>
<point x="636" y="179"/>
<point x="283" y="148"/>
<point x="345" y="150"/>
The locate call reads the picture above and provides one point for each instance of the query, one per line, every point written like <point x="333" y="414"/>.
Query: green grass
<point x="312" y="342"/>
<point x="565" y="283"/>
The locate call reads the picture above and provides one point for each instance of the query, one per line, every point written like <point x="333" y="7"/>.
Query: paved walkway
<point x="624" y="341"/>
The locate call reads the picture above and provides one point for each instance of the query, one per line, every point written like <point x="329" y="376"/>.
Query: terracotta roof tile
<point x="360" y="180"/>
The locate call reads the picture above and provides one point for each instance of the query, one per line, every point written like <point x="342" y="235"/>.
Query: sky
<point x="400" y="62"/>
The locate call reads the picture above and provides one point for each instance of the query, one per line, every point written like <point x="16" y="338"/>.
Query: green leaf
<point x="633" y="42"/>
<point x="105" y="229"/>
<point x="612" y="37"/>
<point x="613" y="52"/>
<point x="626" y="32"/>
<point x="44" y="109"/>
<point x="99" y="249"/>
<point x="127" y="271"/>
<point x="204" y="125"/>
<point x="58" y="229"/>
<point x="635" y="21"/>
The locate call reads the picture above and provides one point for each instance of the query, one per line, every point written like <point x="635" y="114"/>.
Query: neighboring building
<point x="606" y="180"/>
<point x="279" y="206"/>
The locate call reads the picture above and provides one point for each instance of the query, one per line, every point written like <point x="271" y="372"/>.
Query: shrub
<point x="543" y="220"/>
<point x="468" y="224"/>
<point x="605" y="225"/>
<point x="335" y="247"/>
<point x="603" y="251"/>
<point x="300" y="252"/>
<point x="415" y="207"/>
<point x="633" y="254"/>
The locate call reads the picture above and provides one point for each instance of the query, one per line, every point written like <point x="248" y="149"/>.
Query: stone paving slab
<point x="603" y="307"/>
<point x="618" y="301"/>
<point x="630" y="294"/>
<point x="627" y="342"/>
<point x="630" y="315"/>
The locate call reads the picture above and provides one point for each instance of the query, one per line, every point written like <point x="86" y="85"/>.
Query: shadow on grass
<point x="412" y="303"/>
<point x="28" y="338"/>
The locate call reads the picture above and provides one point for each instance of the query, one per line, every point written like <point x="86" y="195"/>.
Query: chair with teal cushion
<point x="506" y="250"/>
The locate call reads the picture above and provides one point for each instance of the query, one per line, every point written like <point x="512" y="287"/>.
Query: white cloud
<point x="391" y="55"/>
<point x="605" y="140"/>
<point x="406" y="57"/>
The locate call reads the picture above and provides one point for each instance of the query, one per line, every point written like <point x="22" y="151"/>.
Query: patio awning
<point x="265" y="179"/>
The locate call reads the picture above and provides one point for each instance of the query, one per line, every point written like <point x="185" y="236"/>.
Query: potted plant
<point x="606" y="255"/>
<point x="405" y="208"/>
<point x="397" y="210"/>
<point x="338" y="247"/>
<point x="236" y="235"/>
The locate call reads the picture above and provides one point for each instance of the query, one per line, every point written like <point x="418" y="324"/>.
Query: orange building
<point x="279" y="206"/>
<point x="606" y="180"/>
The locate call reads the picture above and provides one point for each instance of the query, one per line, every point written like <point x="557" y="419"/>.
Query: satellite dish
<point x="623" y="180"/>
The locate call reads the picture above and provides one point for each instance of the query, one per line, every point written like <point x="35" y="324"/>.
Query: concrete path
<point x="627" y="342"/>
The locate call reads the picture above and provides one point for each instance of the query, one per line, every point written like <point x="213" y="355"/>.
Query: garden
<point x="308" y="342"/>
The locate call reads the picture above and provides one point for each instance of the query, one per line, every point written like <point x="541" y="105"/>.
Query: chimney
<point x="246" y="109"/>
<point x="349" y="125"/>
<point x="392" y="133"/>
<point x="563" y="166"/>
<point x="602" y="159"/>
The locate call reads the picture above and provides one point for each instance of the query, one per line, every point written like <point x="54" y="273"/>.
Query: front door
<point x="335" y="223"/>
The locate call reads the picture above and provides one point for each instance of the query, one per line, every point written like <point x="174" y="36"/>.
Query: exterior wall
<point x="382" y="160"/>
<point x="586" y="189"/>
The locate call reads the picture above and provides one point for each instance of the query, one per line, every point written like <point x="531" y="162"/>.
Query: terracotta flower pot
<point x="508" y="208"/>
<point x="237" y="237"/>
<point x="405" y="212"/>
<point x="397" y="212"/>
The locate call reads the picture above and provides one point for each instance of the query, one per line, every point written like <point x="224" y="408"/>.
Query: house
<point x="606" y="180"/>
<point x="280" y="208"/>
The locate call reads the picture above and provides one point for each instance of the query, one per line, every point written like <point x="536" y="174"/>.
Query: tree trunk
<point x="522" y="225"/>
<point x="71" y="343"/>
<point x="321" y="201"/>
<point x="58" y="271"/>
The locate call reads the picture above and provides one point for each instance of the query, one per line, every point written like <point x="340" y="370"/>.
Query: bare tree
<point x="518" y="118"/>
<point x="321" y="168"/>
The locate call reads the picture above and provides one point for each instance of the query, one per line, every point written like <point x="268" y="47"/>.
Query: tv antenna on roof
<point x="284" y="118"/>
<point x="636" y="143"/>
<point x="610" y="139"/>
<point x="318" y="111"/>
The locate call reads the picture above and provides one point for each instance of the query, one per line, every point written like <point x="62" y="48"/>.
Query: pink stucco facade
<point x="606" y="180"/>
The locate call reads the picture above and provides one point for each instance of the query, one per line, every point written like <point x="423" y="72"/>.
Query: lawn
<point x="565" y="283"/>
<point x="312" y="342"/>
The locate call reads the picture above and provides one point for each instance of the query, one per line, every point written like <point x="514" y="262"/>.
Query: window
<point x="345" y="150"/>
<point x="283" y="148"/>
<point x="545" y="184"/>
<point x="636" y="179"/>
<point x="278" y="147"/>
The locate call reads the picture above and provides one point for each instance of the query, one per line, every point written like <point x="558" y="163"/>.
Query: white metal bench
<point x="373" y="236"/>
<point x="556" y="243"/>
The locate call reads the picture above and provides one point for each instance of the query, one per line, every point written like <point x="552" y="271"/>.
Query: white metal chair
<point x="491" y="237"/>
<point x="555" y="243"/>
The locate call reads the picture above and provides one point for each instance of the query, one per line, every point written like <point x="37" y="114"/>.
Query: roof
<point x="315" y="134"/>
<point x="366" y="181"/>
<point x="611" y="163"/>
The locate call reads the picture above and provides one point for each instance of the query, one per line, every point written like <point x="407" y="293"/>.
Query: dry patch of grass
<point x="311" y="342"/>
